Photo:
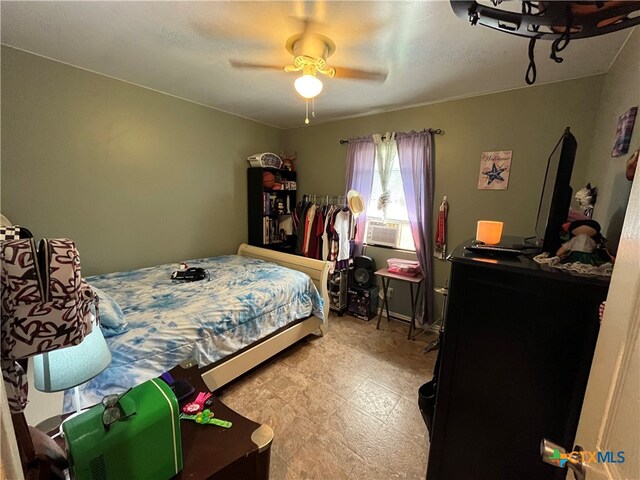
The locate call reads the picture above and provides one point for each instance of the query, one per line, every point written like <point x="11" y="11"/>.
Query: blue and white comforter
<point x="169" y="322"/>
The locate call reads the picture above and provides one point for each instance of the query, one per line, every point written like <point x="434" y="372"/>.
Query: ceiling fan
<point x="310" y="51"/>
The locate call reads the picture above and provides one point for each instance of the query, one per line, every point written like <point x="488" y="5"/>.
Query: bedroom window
<point x="396" y="231"/>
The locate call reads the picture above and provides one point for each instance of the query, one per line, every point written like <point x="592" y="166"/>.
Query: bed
<point x="250" y="309"/>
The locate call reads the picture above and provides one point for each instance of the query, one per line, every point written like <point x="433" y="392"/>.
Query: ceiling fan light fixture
<point x="308" y="86"/>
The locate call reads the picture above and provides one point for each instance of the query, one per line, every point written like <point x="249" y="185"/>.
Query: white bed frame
<point x="222" y="373"/>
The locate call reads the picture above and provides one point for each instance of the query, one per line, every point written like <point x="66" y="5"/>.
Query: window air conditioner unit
<point x="385" y="234"/>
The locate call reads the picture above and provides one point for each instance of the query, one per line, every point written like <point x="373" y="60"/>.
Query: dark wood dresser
<point x="518" y="345"/>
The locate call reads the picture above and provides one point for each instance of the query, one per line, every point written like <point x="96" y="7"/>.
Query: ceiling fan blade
<point x="240" y="64"/>
<point x="345" y="72"/>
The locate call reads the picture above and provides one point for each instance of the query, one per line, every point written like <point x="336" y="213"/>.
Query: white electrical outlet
<point x="389" y="293"/>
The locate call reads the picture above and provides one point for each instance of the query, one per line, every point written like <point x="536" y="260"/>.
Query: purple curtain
<point x="360" y="164"/>
<point x="416" y="154"/>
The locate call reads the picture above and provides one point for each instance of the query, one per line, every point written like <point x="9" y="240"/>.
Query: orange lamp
<point x="489" y="232"/>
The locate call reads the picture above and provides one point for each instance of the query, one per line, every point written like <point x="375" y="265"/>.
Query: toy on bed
<point x="586" y="244"/>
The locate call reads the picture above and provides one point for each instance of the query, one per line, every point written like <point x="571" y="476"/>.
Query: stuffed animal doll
<point x="586" y="198"/>
<point x="586" y="244"/>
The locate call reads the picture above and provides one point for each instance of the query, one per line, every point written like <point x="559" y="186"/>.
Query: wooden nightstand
<point x="215" y="453"/>
<point x="210" y="452"/>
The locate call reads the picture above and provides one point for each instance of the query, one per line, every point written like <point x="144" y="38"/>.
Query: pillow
<point x="112" y="321"/>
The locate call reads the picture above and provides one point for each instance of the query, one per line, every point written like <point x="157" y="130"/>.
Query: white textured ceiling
<point x="183" y="48"/>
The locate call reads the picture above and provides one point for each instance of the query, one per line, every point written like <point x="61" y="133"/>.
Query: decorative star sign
<point x="494" y="174"/>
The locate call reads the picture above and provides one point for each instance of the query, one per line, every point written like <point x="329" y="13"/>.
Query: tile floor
<point x="343" y="406"/>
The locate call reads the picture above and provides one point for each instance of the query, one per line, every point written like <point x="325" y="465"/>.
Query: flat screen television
<point x="555" y="199"/>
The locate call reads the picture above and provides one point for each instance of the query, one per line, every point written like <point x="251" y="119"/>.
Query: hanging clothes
<point x="326" y="233"/>
<point x="324" y="230"/>
<point x="319" y="228"/>
<point x="301" y="214"/>
<point x="314" y="233"/>
<point x="333" y="238"/>
<point x="311" y="214"/>
<point x="342" y="223"/>
<point x="440" y="248"/>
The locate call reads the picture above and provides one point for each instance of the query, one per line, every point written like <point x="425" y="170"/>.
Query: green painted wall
<point x="528" y="121"/>
<point x="135" y="177"/>
<point x="621" y="91"/>
<point x="139" y="178"/>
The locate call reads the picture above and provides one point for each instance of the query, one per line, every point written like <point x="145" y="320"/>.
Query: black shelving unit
<point x="270" y="208"/>
<point x="338" y="291"/>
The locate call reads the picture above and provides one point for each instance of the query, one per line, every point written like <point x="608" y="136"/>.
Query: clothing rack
<point x="326" y="199"/>
<point x="330" y="246"/>
<point x="435" y="131"/>
<point x="320" y="206"/>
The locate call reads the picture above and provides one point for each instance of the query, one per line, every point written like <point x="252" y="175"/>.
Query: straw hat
<point x="356" y="202"/>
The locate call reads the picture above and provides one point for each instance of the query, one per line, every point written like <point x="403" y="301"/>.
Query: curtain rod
<point x="435" y="131"/>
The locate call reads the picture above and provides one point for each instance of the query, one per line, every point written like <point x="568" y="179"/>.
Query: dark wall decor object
<point x="557" y="21"/>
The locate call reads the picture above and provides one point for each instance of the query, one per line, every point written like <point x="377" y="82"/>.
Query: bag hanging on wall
<point x="45" y="305"/>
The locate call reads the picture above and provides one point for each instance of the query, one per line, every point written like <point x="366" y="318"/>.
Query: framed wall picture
<point x="624" y="130"/>
<point x="494" y="170"/>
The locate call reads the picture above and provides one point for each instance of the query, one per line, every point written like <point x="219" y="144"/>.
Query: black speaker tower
<point x="362" y="272"/>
